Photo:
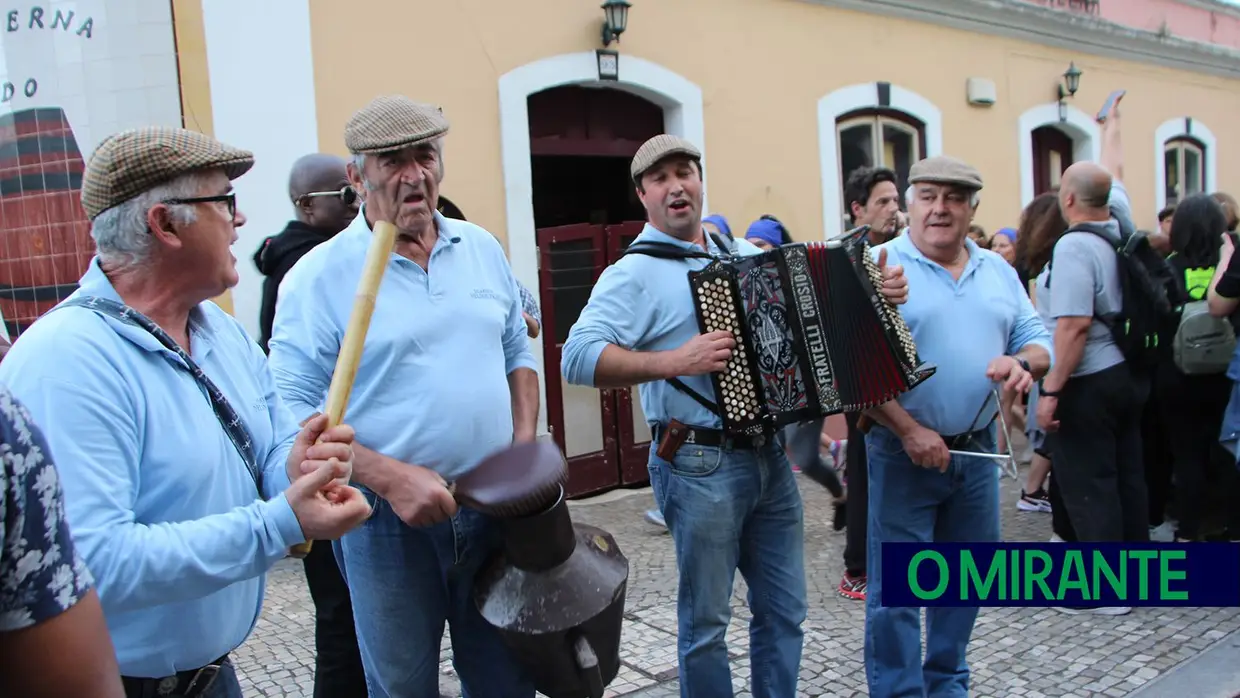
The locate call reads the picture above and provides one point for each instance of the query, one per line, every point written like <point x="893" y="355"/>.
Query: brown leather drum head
<point x="523" y="479"/>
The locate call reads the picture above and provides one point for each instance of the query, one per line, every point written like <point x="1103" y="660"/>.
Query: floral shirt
<point x="41" y="575"/>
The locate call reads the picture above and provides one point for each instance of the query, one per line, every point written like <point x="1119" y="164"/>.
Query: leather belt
<point x="184" y="684"/>
<point x="715" y="438"/>
<point x="957" y="440"/>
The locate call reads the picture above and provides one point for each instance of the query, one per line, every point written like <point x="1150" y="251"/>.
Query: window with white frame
<point x="1184" y="162"/>
<point x="873" y="138"/>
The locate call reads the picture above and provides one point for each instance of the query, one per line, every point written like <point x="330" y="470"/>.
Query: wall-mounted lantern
<point x="1071" y="83"/>
<point x="615" y="21"/>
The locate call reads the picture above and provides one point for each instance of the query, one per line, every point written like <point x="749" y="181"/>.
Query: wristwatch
<point x="1048" y="393"/>
<point x="1023" y="364"/>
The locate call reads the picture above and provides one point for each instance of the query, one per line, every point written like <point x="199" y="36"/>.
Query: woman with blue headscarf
<point x="717" y="224"/>
<point x="767" y="232"/>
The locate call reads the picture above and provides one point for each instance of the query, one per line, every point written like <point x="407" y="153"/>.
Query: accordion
<point x="813" y="335"/>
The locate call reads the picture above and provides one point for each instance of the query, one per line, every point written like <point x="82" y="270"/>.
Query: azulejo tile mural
<point x="71" y="73"/>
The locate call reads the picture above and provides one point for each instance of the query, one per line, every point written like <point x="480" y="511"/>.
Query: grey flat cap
<point x="945" y="169"/>
<point x="131" y="162"/>
<point x="658" y="148"/>
<point x="393" y="122"/>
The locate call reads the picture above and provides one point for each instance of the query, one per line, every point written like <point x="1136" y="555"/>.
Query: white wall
<point x="262" y="99"/>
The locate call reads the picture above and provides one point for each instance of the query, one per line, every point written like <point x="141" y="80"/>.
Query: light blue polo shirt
<point x="643" y="303"/>
<point x="432" y="386"/>
<point x="162" y="507"/>
<point x="961" y="325"/>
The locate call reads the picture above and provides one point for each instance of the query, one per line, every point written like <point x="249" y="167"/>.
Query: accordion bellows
<point x="813" y="335"/>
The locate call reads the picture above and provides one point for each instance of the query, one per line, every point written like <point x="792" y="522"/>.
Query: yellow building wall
<point x="762" y="66"/>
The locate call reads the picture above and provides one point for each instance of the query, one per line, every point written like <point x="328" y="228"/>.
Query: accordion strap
<point x="664" y="250"/>
<point x="701" y="400"/>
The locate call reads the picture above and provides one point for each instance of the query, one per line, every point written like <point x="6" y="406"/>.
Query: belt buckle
<point x="210" y="672"/>
<point x="690" y="436"/>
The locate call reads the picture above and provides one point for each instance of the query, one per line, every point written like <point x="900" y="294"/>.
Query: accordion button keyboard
<point x="720" y="314"/>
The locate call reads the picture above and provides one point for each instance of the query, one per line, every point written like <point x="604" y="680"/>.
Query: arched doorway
<point x="1052" y="154"/>
<point x="1052" y="137"/>
<point x="586" y="212"/>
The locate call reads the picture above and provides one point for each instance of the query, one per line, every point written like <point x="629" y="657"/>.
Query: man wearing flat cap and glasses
<point x="446" y="378"/>
<point x="185" y="476"/>
<point x="730" y="503"/>
<point x="970" y="317"/>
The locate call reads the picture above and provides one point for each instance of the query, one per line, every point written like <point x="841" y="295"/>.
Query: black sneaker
<point x="1038" y="500"/>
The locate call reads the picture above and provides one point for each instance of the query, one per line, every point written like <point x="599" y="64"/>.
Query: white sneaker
<point x="1055" y="538"/>
<point x="655" y="517"/>
<point x="1163" y="533"/>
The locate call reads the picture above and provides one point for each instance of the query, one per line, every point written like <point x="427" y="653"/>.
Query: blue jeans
<point x="731" y="510"/>
<point x="405" y="584"/>
<point x="909" y="503"/>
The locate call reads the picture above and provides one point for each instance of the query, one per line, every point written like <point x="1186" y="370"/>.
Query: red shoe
<point x="853" y="587"/>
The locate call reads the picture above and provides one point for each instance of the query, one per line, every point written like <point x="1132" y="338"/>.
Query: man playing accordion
<point x="731" y="502"/>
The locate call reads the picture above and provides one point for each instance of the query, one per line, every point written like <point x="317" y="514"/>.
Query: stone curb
<point x="1215" y="673"/>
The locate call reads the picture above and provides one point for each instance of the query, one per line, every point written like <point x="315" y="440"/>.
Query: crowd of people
<point x="158" y="461"/>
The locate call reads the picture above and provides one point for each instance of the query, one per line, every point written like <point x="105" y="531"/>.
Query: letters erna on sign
<point x="1060" y="574"/>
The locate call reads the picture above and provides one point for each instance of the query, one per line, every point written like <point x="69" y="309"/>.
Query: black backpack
<point x="1146" y="284"/>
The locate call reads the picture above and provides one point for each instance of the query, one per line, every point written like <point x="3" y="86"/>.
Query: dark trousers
<point x="1192" y="410"/>
<point x="858" y="512"/>
<point x="1157" y="457"/>
<point x="338" y="669"/>
<point x="1097" y="456"/>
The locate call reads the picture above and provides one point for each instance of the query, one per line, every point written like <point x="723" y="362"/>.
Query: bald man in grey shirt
<point x="1091" y="401"/>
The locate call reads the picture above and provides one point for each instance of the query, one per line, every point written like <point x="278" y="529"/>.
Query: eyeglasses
<point x="347" y="195"/>
<point x="229" y="198"/>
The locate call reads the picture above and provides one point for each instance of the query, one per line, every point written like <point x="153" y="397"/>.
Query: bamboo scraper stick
<point x="355" y="334"/>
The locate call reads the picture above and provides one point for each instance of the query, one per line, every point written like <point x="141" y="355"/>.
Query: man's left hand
<point x="316" y="445"/>
<point x="895" y="285"/>
<point x="1047" y="405"/>
<point x="1013" y="375"/>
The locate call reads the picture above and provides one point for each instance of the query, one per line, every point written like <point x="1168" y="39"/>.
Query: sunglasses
<point x="346" y="194"/>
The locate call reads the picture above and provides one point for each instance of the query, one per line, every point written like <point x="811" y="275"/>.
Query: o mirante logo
<point x="1060" y="574"/>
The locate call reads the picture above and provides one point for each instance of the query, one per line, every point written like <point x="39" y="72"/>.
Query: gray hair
<point x="975" y="197"/>
<point x="358" y="160"/>
<point x="121" y="233"/>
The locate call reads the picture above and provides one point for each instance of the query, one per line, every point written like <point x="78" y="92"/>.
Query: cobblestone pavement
<point x="1015" y="652"/>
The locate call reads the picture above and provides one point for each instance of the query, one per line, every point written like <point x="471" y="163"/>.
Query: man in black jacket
<point x="324" y="205"/>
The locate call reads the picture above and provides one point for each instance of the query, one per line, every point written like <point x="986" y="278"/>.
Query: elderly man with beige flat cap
<point x="446" y="378"/>
<point x="185" y="476"/>
<point x="970" y="317"/>
<point x="730" y="503"/>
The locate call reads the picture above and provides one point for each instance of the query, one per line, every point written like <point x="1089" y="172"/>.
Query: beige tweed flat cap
<point x="945" y="169"/>
<point x="658" y="148"/>
<point x="392" y="122"/>
<point x="131" y="162"/>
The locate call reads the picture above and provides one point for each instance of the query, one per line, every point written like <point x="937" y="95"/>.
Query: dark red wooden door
<point x="602" y="432"/>
<point x="581" y="419"/>
<point x="1052" y="154"/>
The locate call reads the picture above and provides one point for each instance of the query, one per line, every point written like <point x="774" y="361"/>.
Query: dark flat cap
<point x="131" y="162"/>
<point x="393" y="122"/>
<point x="658" y="148"/>
<point x="945" y="169"/>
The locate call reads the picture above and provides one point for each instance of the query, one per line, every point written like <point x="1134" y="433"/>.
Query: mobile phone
<point x="1109" y="105"/>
